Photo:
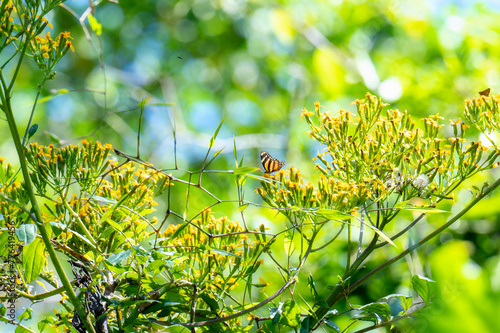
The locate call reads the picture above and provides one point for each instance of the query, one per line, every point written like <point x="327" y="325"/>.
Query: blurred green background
<point x="257" y="64"/>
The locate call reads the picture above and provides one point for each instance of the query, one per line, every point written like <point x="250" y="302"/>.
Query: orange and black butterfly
<point x="269" y="163"/>
<point x="485" y="92"/>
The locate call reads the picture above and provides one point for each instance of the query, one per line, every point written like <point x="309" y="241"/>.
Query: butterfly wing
<point x="269" y="163"/>
<point x="485" y="92"/>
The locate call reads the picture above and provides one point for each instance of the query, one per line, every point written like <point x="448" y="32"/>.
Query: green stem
<point x="7" y="108"/>
<point x="339" y="292"/>
<point x="33" y="110"/>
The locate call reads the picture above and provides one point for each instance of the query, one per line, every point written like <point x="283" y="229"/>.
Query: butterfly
<point x="485" y="92"/>
<point x="269" y="163"/>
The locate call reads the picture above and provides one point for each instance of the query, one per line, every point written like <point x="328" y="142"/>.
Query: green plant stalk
<point x="7" y="108"/>
<point x="339" y="292"/>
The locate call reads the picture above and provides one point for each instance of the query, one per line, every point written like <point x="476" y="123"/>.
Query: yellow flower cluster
<point x="7" y="25"/>
<point x="288" y="191"/>
<point x="51" y="49"/>
<point x="12" y="194"/>
<point x="380" y="153"/>
<point x="102" y="184"/>
<point x="484" y="114"/>
<point x="21" y="22"/>
<point x="60" y="166"/>
<point x="210" y="247"/>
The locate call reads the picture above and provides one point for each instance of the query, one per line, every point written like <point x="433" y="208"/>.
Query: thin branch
<point x="402" y="232"/>
<point x="336" y="295"/>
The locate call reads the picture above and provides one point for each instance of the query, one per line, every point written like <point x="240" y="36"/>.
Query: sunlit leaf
<point x="290" y="314"/>
<point x="245" y="170"/>
<point x="94" y="25"/>
<point x="426" y="210"/>
<point x="33" y="259"/>
<point x="115" y="225"/>
<point x="26" y="315"/>
<point x="375" y="312"/>
<point x="288" y="244"/>
<point x="212" y="139"/>
<point x="218" y="152"/>
<point x="381" y="234"/>
<point x="424" y="287"/>
<point x="401" y="204"/>
<point x="242" y="208"/>
<point x="54" y="94"/>
<point x="332" y="214"/>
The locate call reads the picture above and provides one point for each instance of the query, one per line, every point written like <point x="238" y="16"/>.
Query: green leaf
<point x="225" y="253"/>
<point x="275" y="313"/>
<point x="26" y="233"/>
<point x="53" y="95"/>
<point x="212" y="139"/>
<point x="104" y="200"/>
<point x="218" y="152"/>
<point x="26" y="315"/>
<point x="178" y="329"/>
<point x="312" y="287"/>
<point x="288" y="243"/>
<point x="53" y="138"/>
<point x="424" y="287"/>
<point x="32" y="130"/>
<point x="381" y="234"/>
<point x="33" y="259"/>
<point x="156" y="264"/>
<point x="290" y="314"/>
<point x="115" y="225"/>
<point x="82" y="237"/>
<point x="147" y="211"/>
<point x="116" y="258"/>
<point x="143" y="103"/>
<point x="401" y="204"/>
<point x="211" y="302"/>
<point x="111" y="210"/>
<point x="3" y="179"/>
<point x="398" y="303"/>
<point x="332" y="214"/>
<point x="45" y="323"/>
<point x="375" y="312"/>
<point x="179" y="230"/>
<point x="426" y="210"/>
<point x="4" y="241"/>
<point x="306" y="326"/>
<point x="242" y="208"/>
<point x="235" y="153"/>
<point x="160" y="305"/>
<point x="332" y="325"/>
<point x="245" y="170"/>
<point x="94" y="25"/>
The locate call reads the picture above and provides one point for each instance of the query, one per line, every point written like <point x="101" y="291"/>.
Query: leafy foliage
<point x="191" y="267"/>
